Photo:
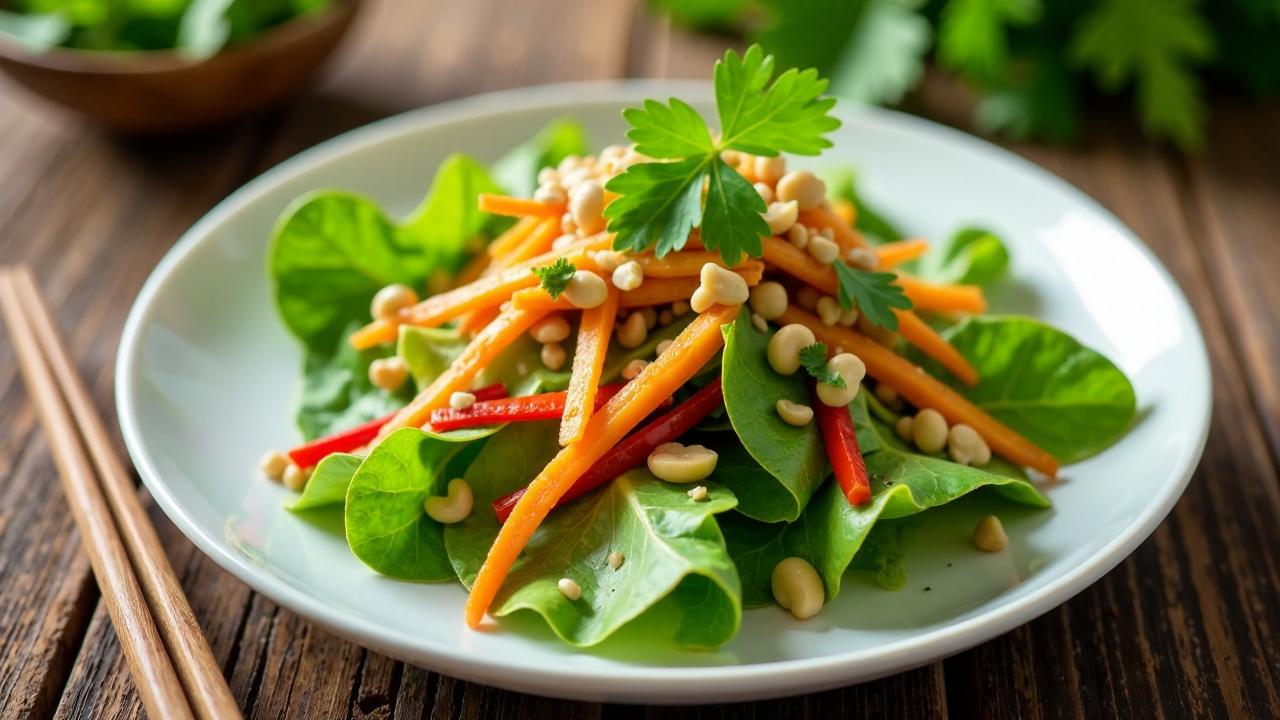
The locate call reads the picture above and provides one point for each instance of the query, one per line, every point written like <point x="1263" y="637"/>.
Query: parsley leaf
<point x="971" y="33"/>
<point x="1153" y="43"/>
<point x="555" y="277"/>
<point x="660" y="203"/>
<point x="814" y="359"/>
<point x="873" y="293"/>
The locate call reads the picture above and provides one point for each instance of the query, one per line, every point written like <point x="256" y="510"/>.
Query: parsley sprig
<point x="873" y="293"/>
<point x="814" y="359"/>
<point x="660" y="202"/>
<point x="555" y="277"/>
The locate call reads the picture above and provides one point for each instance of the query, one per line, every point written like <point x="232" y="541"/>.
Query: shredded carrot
<point x="512" y="238"/>
<point x="473" y="321"/>
<point x="474" y="268"/>
<point x="659" y="291"/>
<point x="918" y="333"/>
<point x="683" y="264"/>
<point x="943" y="298"/>
<point x="846" y="211"/>
<point x="695" y="345"/>
<point x="489" y="344"/>
<point x="537" y="297"/>
<point x="800" y="264"/>
<point x="537" y="243"/>
<point x="588" y="363"/>
<point x="487" y="292"/>
<point x="896" y="253"/>
<point x="925" y="391"/>
<point x="520" y="207"/>
<point x="824" y="217"/>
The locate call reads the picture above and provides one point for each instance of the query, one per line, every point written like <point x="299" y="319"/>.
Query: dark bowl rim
<point x="144" y="62"/>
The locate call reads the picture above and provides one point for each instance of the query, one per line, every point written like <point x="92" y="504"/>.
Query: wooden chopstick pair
<point x="172" y="666"/>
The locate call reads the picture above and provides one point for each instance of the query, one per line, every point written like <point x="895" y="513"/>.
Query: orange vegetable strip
<point x="896" y="253"/>
<point x="925" y="295"/>
<point x="486" y="346"/>
<point x="594" y="332"/>
<point x="659" y="291"/>
<point x="520" y="207"/>
<point x="512" y="238"/>
<point x="825" y="217"/>
<point x="918" y="333"/>
<point x="472" y="271"/>
<point x="537" y="297"/>
<point x="846" y="211"/>
<point x="375" y="333"/>
<point x="683" y="264"/>
<point x="800" y="264"/>
<point x="925" y="391"/>
<point x="472" y="322"/>
<point x="692" y="348"/>
<point x="537" y="243"/>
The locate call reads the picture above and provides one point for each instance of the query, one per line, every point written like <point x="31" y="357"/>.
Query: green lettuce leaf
<point x="1065" y="397"/>
<point x="972" y="255"/>
<point x="842" y="183"/>
<point x="336" y="394"/>
<point x="830" y="532"/>
<point x="674" y="553"/>
<point x="777" y="467"/>
<point x="517" y="171"/>
<point x="429" y="352"/>
<point x="329" y="482"/>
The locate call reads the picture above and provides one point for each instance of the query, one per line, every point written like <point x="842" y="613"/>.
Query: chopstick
<point x="161" y="632"/>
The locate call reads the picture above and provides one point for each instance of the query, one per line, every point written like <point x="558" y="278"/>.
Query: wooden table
<point x="1189" y="625"/>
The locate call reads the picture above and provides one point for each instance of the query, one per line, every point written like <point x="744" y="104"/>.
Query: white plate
<point x="206" y="374"/>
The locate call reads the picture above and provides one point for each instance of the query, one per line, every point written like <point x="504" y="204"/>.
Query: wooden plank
<point x="1183" y="627"/>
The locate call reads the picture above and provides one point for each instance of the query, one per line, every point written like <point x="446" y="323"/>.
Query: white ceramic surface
<point x="206" y="373"/>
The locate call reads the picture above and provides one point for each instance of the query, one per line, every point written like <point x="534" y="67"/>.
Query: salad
<point x="673" y="379"/>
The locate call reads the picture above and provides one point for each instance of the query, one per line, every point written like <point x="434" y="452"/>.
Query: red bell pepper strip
<point x="841" y="439"/>
<point x="310" y="454"/>
<point x="546" y="406"/>
<point x="632" y="451"/>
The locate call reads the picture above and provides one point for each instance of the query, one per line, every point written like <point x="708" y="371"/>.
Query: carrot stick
<point x="925" y="391"/>
<point x="588" y="363"/>
<point x="486" y="346"/>
<point x="695" y="345"/>
<point x="537" y="243"/>
<point x="684" y="264"/>
<point x="520" y="207"/>
<point x="824" y="217"/>
<point x="659" y="291"/>
<point x="925" y="295"/>
<point x="537" y="297"/>
<point x="799" y="264"/>
<point x="512" y="238"/>
<point x="918" y="333"/>
<point x="846" y="211"/>
<point x="474" y="321"/>
<point x="896" y="253"/>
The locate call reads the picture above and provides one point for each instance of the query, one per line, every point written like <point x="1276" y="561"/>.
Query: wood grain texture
<point x="1185" y="627"/>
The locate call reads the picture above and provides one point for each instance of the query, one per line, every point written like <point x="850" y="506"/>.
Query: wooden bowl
<point x="163" y="92"/>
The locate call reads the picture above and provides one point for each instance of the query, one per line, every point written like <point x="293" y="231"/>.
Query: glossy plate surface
<point x="206" y="373"/>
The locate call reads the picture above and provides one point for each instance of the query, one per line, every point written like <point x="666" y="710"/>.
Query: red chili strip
<point x="841" y="438"/>
<point x="310" y="454"/>
<point x="633" y="450"/>
<point x="547" y="406"/>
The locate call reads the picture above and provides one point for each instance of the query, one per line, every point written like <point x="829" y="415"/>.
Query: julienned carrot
<point x="846" y="211"/>
<point x="520" y="207"/>
<point x="925" y="295"/>
<point x="918" y="333"/>
<point x="514" y="235"/>
<point x="475" y="320"/>
<point x="539" y="297"/>
<point x="825" y="217"/>
<point x="496" y="336"/>
<point x="488" y="291"/>
<point x="799" y="264"/>
<point x="683" y="264"/>
<point x="594" y="331"/>
<point x="925" y="391"/>
<point x="892" y="254"/>
<point x="660" y="291"/>
<point x="537" y="243"/>
<point x="692" y="348"/>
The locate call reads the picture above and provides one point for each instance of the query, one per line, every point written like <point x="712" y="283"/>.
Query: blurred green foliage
<point x="198" y="28"/>
<point x="1033" y="63"/>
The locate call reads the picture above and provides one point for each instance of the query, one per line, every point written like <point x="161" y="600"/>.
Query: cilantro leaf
<point x="658" y="204"/>
<point x="873" y="293"/>
<point x="555" y="277"/>
<point x="668" y="131"/>
<point x="814" y="359"/>
<point x="731" y="221"/>
<point x="787" y="116"/>
<point x="1152" y="43"/>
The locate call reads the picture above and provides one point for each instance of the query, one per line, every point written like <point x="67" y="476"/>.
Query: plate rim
<point x="642" y="683"/>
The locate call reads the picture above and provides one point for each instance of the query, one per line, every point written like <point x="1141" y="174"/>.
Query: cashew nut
<point x="850" y="368"/>
<point x="784" y="348"/>
<point x="793" y="413"/>
<point x="802" y="186"/>
<point x="453" y="507"/>
<point x="781" y="216"/>
<point x="388" y="373"/>
<point x="966" y="446"/>
<point x="586" y="290"/>
<point x="989" y="535"/>
<point x="769" y="299"/>
<point x="719" y="287"/>
<point x="797" y="587"/>
<point x="391" y="300"/>
<point x="677" y="463"/>
<point x="550" y="329"/>
<point x="929" y="430"/>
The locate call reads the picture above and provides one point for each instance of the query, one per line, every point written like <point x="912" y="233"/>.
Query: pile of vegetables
<point x="540" y="486"/>
<point x="1036" y="65"/>
<point x="196" y="28"/>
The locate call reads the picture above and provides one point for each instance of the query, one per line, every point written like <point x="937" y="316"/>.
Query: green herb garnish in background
<point x="555" y="277"/>
<point x="814" y="359"/>
<point x="661" y="202"/>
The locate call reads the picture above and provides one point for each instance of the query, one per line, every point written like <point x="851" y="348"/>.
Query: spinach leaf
<point x="830" y="532"/>
<point x="336" y="393"/>
<point x="842" y="183"/>
<point x="674" y="553"/>
<point x="792" y="458"/>
<point x="328" y="484"/>
<point x="1068" y="399"/>
<point x="517" y="171"/>
<point x="332" y="250"/>
<point x="386" y="525"/>
<point x="972" y="255"/>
